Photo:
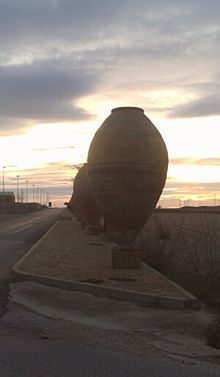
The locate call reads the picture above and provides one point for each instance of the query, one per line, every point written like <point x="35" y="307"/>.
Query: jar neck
<point x="127" y="108"/>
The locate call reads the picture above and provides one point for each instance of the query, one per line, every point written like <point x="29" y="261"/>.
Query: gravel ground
<point x="68" y="253"/>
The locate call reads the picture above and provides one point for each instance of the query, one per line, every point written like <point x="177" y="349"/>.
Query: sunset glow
<point x="61" y="76"/>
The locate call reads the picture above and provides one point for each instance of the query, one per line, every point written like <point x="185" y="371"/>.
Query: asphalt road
<point x="36" y="346"/>
<point x="19" y="232"/>
<point x="36" y="358"/>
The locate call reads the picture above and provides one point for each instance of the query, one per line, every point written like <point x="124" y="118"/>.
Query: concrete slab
<point x="67" y="257"/>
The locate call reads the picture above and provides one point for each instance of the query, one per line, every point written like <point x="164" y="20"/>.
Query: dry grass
<point x="186" y="247"/>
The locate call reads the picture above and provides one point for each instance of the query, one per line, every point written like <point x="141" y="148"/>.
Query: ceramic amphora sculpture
<point x="127" y="164"/>
<point x="84" y="199"/>
<point x="73" y="207"/>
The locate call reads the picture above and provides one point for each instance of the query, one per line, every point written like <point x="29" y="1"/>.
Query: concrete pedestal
<point x="126" y="258"/>
<point x="93" y="230"/>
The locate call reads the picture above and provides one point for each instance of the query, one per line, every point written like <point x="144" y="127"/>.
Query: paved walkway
<point x="68" y="257"/>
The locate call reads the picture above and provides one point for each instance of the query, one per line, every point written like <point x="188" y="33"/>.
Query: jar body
<point x="84" y="199"/>
<point x="127" y="167"/>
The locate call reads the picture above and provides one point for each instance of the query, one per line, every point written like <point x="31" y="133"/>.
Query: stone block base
<point x="93" y="230"/>
<point x="126" y="258"/>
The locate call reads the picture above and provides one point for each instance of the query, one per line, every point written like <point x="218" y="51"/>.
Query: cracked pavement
<point x="82" y="317"/>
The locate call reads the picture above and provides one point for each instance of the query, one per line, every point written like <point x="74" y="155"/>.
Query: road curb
<point x="15" y="268"/>
<point x="113" y="293"/>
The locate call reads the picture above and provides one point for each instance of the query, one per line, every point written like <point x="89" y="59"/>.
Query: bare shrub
<point x="213" y="334"/>
<point x="159" y="240"/>
<point x="202" y="254"/>
<point x="186" y="247"/>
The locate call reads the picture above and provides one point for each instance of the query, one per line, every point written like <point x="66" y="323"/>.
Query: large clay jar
<point x="127" y="163"/>
<point x="73" y="207"/>
<point x="84" y="199"/>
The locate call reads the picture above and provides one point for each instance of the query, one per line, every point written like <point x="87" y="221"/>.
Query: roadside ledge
<point x="113" y="293"/>
<point x="47" y="247"/>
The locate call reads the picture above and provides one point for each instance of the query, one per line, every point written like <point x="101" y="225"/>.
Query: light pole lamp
<point x="18" y="187"/>
<point x="27" y="191"/>
<point x="41" y="190"/>
<point x="3" y="178"/>
<point x="33" y="192"/>
<point x="48" y="198"/>
<point x="36" y="194"/>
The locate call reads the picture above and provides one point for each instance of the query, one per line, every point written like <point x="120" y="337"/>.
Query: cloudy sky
<point x="64" y="64"/>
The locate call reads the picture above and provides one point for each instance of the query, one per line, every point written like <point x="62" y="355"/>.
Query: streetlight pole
<point x="38" y="194"/>
<point x="41" y="196"/>
<point x="48" y="198"/>
<point x="27" y="191"/>
<point x="33" y="193"/>
<point x="3" y="178"/>
<point x="18" y="188"/>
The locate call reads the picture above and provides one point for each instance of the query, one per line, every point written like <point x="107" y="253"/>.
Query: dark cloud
<point x="38" y="23"/>
<point x="54" y="53"/>
<point x="28" y="28"/>
<point x="207" y="102"/>
<point x="44" y="91"/>
<point x="204" y="106"/>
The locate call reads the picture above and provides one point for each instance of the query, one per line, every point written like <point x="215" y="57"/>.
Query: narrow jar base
<point x="93" y="230"/>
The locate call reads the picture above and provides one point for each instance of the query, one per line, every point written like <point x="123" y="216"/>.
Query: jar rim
<point x="127" y="108"/>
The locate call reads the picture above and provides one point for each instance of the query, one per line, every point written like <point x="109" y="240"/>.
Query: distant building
<point x="7" y="197"/>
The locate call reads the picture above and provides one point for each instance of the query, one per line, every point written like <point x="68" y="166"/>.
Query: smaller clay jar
<point x="72" y="205"/>
<point x="84" y="198"/>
